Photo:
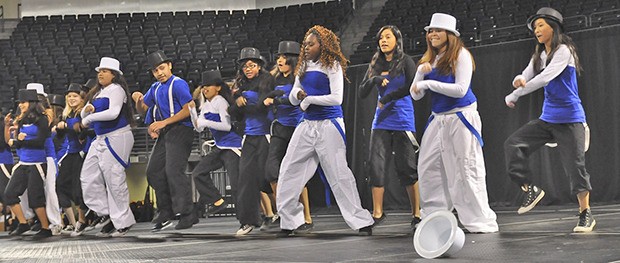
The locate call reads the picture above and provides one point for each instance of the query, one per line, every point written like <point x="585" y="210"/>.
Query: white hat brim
<point x="426" y="28"/>
<point x="98" y="68"/>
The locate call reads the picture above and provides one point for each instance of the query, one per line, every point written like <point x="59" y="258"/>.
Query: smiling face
<point x="162" y="72"/>
<point x="73" y="99"/>
<point x="105" y="77"/>
<point x="543" y="31"/>
<point x="250" y="69"/>
<point x="312" y="47"/>
<point x="387" y="41"/>
<point x="438" y="38"/>
<point x="23" y="106"/>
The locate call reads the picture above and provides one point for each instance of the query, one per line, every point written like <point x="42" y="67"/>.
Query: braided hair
<point x="330" y="51"/>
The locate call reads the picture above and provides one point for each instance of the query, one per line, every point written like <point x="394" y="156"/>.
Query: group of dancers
<point x="273" y="131"/>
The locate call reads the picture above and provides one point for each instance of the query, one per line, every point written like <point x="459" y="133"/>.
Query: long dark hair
<point x="558" y="39"/>
<point x="32" y="114"/>
<point x="291" y="60"/>
<point x="397" y="63"/>
<point x="120" y="80"/>
<point x="241" y="79"/>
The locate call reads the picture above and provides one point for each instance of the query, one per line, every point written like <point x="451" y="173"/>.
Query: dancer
<point x="253" y="83"/>
<point x="215" y="98"/>
<point x="451" y="165"/>
<point x="286" y="118"/>
<point x="319" y="138"/>
<point x="29" y="139"/>
<point x="68" y="184"/>
<point x="109" y="113"/>
<point x="391" y="71"/>
<point x="554" y="66"/>
<point x="169" y="97"/>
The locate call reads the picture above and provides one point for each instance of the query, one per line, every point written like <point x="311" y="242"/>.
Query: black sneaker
<point x="214" y="209"/>
<point x="106" y="230"/>
<point x="415" y="222"/>
<point x="379" y="220"/>
<point x="161" y="226"/>
<point x="305" y="228"/>
<point x="533" y="195"/>
<point x="21" y="228"/>
<point x="43" y="233"/>
<point x="366" y="231"/>
<point x="161" y="217"/>
<point x="103" y="221"/>
<point x="266" y="223"/>
<point x="120" y="232"/>
<point x="79" y="229"/>
<point x="586" y="222"/>
<point x="36" y="226"/>
<point x="186" y="221"/>
<point x="285" y="233"/>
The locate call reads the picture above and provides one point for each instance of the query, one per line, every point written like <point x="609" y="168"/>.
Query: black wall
<point x="496" y="66"/>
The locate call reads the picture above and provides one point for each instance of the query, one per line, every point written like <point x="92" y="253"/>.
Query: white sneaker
<point x="56" y="229"/>
<point x="244" y="230"/>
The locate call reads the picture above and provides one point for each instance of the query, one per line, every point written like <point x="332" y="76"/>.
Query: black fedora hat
<point x="58" y="100"/>
<point x="249" y="53"/>
<point x="212" y="77"/>
<point x="289" y="47"/>
<point x="154" y="59"/>
<point x="90" y="84"/>
<point x="27" y="95"/>
<point x="546" y="12"/>
<point x="74" y="87"/>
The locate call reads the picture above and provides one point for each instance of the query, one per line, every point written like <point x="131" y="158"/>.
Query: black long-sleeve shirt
<point x="369" y="82"/>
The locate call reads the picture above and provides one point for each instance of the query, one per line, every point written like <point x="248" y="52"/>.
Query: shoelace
<point x="583" y="220"/>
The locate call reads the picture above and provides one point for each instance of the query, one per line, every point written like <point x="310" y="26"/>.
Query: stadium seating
<point x="55" y="50"/>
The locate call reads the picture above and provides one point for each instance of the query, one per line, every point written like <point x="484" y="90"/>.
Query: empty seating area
<point x="57" y="50"/>
<point x="481" y="22"/>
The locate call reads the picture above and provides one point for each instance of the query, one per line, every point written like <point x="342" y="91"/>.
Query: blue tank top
<point x="103" y="127"/>
<point x="397" y="115"/>
<point x="442" y="103"/>
<point x="256" y="123"/>
<point x="317" y="83"/>
<point x="223" y="139"/>
<point x="288" y="115"/>
<point x="562" y="103"/>
<point x="73" y="142"/>
<point x="32" y="155"/>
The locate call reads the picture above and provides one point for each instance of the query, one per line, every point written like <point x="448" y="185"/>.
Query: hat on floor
<point x="438" y="235"/>
<point x="443" y="21"/>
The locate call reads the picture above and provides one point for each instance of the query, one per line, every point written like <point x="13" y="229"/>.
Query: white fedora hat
<point x="38" y="87"/>
<point x="443" y="21"/>
<point x="438" y="235"/>
<point x="109" y="63"/>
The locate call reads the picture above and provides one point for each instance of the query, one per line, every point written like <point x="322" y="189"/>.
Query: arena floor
<point x="542" y="235"/>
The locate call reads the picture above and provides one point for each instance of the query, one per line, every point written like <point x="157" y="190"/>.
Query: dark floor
<point x="544" y="234"/>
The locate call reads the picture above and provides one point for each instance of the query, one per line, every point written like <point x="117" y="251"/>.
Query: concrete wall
<point x="61" y="7"/>
<point x="10" y="9"/>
